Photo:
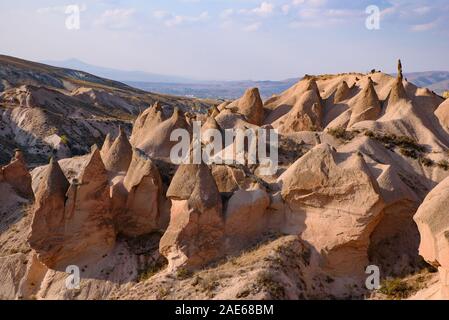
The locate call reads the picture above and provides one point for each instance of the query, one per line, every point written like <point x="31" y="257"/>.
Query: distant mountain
<point x="437" y="81"/>
<point x="216" y="89"/>
<point x="115" y="74"/>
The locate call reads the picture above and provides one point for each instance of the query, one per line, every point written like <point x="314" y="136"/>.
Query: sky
<point x="231" y="39"/>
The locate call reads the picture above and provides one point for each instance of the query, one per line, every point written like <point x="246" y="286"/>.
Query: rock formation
<point x="433" y="224"/>
<point x="194" y="235"/>
<point x="324" y="189"/>
<point x="306" y="114"/>
<point x="118" y="156"/>
<point x="358" y="154"/>
<point x="17" y="176"/>
<point x="366" y="106"/>
<point x="77" y="226"/>
<point x="107" y="144"/>
<point x="245" y="217"/>
<point x="342" y="92"/>
<point x="156" y="142"/>
<point x="229" y="179"/>
<point x="146" y="122"/>
<point x="442" y="113"/>
<point x="144" y="187"/>
<point x="250" y="106"/>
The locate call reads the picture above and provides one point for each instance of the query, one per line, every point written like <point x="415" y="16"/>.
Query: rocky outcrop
<point x="442" y="113"/>
<point x="107" y="144"/>
<point x="118" y="156"/>
<point x="229" y="179"/>
<point x="47" y="228"/>
<point x="397" y="93"/>
<point x="208" y="131"/>
<point x="77" y="226"/>
<point x="194" y="235"/>
<point x="306" y="114"/>
<point x="342" y="92"/>
<point x="433" y="224"/>
<point x="146" y="122"/>
<point x="245" y="217"/>
<point x="323" y="189"/>
<point x="156" y="142"/>
<point x="143" y="186"/>
<point x="17" y="176"/>
<point x="366" y="105"/>
<point x="250" y="106"/>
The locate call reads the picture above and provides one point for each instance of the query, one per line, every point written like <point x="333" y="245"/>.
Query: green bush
<point x="395" y="289"/>
<point x="151" y="271"/>
<point x="64" y="139"/>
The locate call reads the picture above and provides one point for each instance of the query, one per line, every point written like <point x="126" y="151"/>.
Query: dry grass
<point x="341" y="133"/>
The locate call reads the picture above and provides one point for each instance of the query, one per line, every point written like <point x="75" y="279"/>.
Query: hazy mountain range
<point x="437" y="81"/>
<point x="115" y="74"/>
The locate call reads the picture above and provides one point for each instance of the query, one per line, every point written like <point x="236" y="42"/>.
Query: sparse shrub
<point x="151" y="271"/>
<point x="409" y="153"/>
<point x="408" y="146"/>
<point x="64" y="140"/>
<point x="341" y="133"/>
<point x="209" y="284"/>
<point x="395" y="289"/>
<point x="243" y="293"/>
<point x="275" y="289"/>
<point x="443" y="164"/>
<point x="183" y="273"/>
<point x="162" y="293"/>
<point x="426" y="162"/>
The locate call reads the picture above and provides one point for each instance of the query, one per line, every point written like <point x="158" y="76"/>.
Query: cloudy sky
<point x="231" y="39"/>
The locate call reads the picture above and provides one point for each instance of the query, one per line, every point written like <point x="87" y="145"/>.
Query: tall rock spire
<point x="400" y="75"/>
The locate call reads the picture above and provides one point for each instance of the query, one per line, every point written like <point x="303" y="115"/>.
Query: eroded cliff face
<point x="359" y="154"/>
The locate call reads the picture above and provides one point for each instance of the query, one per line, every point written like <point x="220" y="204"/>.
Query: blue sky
<point x="231" y="39"/>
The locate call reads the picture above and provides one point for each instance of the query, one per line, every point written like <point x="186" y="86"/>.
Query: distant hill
<point x="216" y="89"/>
<point x="437" y="81"/>
<point x="115" y="74"/>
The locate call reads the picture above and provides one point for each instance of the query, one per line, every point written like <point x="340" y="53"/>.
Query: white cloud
<point x="58" y="9"/>
<point x="252" y="27"/>
<point x="160" y="14"/>
<point x="115" y="18"/>
<point x="424" y="27"/>
<point x="266" y="8"/>
<point x="285" y="8"/>
<point x="227" y="13"/>
<point x="176" y="20"/>
<point x="422" y="10"/>
<point x="309" y="3"/>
